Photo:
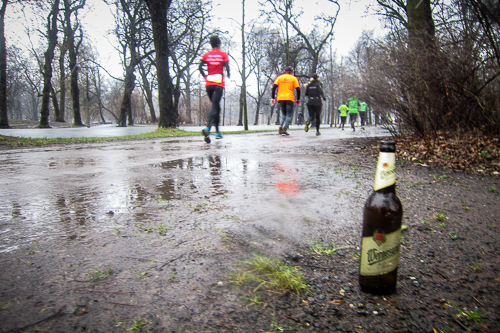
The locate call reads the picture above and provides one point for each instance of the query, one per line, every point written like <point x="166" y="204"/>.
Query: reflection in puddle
<point x="286" y="179"/>
<point x="185" y="176"/>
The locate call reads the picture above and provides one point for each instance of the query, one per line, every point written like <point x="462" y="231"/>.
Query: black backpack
<point x="314" y="93"/>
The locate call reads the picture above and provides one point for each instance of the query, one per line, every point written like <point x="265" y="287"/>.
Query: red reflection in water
<point x="289" y="184"/>
<point x="287" y="187"/>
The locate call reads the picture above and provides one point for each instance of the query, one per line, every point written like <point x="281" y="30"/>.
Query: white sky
<point x="98" y="20"/>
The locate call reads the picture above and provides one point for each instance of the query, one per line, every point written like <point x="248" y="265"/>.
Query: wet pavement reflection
<point x="260" y="183"/>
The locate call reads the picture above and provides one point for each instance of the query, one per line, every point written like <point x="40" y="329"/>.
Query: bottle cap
<point x="387" y="146"/>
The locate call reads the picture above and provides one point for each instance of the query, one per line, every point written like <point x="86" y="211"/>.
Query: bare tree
<point x="132" y="27"/>
<point x="4" y="121"/>
<point x="318" y="37"/>
<point x="188" y="32"/>
<point x="158" y="11"/>
<point x="71" y="8"/>
<point x="147" y="85"/>
<point x="47" y="67"/>
<point x="60" y="112"/>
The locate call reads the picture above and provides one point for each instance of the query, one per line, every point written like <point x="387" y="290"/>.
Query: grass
<point x="137" y="325"/>
<point x="97" y="274"/>
<point x="475" y="315"/>
<point x="319" y="248"/>
<point x="12" y="142"/>
<point x="440" y="217"/>
<point x="255" y="300"/>
<point x="264" y="271"/>
<point x="475" y="266"/>
<point x="162" y="231"/>
<point x="417" y="184"/>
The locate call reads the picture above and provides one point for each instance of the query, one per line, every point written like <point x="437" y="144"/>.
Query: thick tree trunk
<point x="55" y="102"/>
<point x="75" y="90"/>
<point x="4" y="120"/>
<point x="59" y="116"/>
<point x="47" y="67"/>
<point x="426" y="110"/>
<point x="126" y="106"/>
<point x="158" y="10"/>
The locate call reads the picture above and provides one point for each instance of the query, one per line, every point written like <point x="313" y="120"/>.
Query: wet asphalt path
<point x="177" y="211"/>
<point x="62" y="191"/>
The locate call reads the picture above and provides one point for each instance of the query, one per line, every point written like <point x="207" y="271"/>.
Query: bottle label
<point x="386" y="171"/>
<point x="380" y="253"/>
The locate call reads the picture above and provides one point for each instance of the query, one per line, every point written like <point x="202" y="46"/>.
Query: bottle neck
<point x="388" y="189"/>
<point x="385" y="176"/>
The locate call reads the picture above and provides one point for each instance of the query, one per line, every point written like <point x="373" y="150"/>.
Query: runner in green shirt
<point x="343" y="114"/>
<point x="363" y="109"/>
<point x="353" y="104"/>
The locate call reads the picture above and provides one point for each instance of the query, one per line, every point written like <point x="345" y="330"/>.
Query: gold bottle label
<point x="386" y="171"/>
<point x="380" y="253"/>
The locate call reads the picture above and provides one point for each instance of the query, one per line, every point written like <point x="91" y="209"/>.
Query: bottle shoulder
<point x="386" y="200"/>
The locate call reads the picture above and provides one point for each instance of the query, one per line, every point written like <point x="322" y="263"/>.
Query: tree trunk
<point x="4" y="121"/>
<point x="177" y="95"/>
<point x="126" y="106"/>
<point x="158" y="10"/>
<point x="47" y="67"/>
<point x="240" y="118"/>
<point x="55" y="103"/>
<point x="148" y="92"/>
<point x="243" y="69"/>
<point x="75" y="90"/>
<point x="99" y="90"/>
<point x="59" y="116"/>
<point x="188" y="98"/>
<point x="425" y="111"/>
<point x="257" y="111"/>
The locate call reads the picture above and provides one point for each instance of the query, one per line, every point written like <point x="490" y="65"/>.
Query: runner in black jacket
<point x="315" y="93"/>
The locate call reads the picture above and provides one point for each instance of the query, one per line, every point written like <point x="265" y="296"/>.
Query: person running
<point x="288" y="92"/>
<point x="363" y="109"/>
<point x="343" y="114"/>
<point x="216" y="61"/>
<point x="315" y="93"/>
<point x="353" y="105"/>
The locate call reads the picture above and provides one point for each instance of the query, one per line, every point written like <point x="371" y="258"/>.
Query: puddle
<point x="262" y="184"/>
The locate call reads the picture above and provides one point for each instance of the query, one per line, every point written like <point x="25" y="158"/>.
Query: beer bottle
<point x="381" y="235"/>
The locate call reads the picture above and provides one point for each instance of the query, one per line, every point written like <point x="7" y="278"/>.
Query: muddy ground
<point x="144" y="236"/>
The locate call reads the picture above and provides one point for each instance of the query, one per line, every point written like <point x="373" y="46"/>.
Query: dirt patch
<point x="136" y="275"/>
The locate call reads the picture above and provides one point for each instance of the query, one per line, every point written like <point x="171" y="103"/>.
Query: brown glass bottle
<point x="381" y="235"/>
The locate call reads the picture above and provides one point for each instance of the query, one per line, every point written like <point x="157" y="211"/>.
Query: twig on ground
<point x="38" y="322"/>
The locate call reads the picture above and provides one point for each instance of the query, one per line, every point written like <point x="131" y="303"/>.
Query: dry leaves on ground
<point x="467" y="151"/>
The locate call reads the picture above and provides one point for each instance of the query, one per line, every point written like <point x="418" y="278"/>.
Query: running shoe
<point x="318" y="133"/>
<point x="218" y="136"/>
<point x="281" y="130"/>
<point x="307" y="126"/>
<point x="206" y="134"/>
<point x="285" y="133"/>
